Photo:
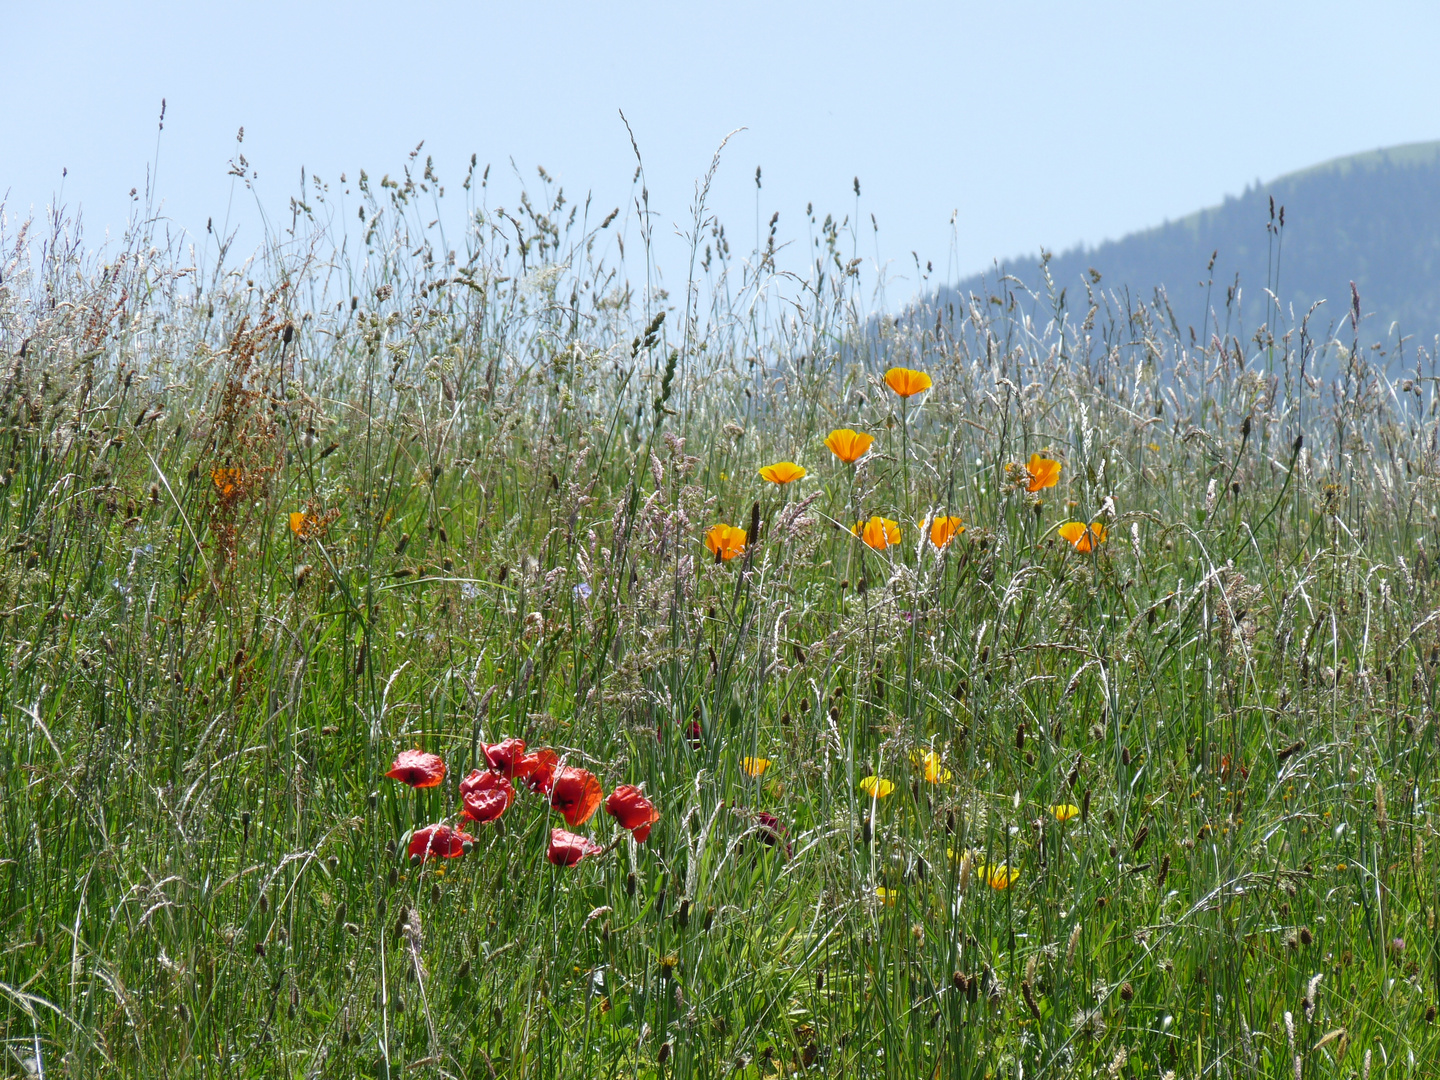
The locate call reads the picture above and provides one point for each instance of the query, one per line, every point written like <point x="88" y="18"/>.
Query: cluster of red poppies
<point x="487" y="793"/>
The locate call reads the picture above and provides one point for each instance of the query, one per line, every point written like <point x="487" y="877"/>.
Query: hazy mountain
<point x="1372" y="218"/>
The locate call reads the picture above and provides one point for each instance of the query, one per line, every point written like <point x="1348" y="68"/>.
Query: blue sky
<point x="1023" y="124"/>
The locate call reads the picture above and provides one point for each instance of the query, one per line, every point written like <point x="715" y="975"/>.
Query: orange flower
<point x="1082" y="537"/>
<point x="418" y="769"/>
<point x="1043" y="472"/>
<point x="849" y="446"/>
<point x="725" y="541"/>
<point x="878" y="532"/>
<point x="300" y="524"/>
<point x="943" y="530"/>
<point x="576" y="793"/>
<point x="782" y="472"/>
<point x="629" y="806"/>
<point x="755" y="766"/>
<point x="227" y="482"/>
<point x="907" y="381"/>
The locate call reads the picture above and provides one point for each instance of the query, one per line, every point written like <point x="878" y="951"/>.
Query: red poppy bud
<point x="438" y="842"/>
<point x="485" y="795"/>
<point x="418" y="769"/>
<point x="567" y="849"/>
<point x="576" y="793"/>
<point x="629" y="806"/>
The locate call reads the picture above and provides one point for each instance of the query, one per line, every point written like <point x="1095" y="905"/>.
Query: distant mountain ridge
<point x="1371" y="218"/>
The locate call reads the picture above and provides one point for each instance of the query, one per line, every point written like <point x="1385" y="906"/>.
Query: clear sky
<point x="1029" y="124"/>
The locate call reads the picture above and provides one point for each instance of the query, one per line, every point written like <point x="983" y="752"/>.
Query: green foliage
<point x="506" y="460"/>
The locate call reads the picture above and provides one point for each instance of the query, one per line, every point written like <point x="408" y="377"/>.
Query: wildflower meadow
<point x="491" y="654"/>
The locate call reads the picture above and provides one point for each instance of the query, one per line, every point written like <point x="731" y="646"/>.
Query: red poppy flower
<point x="566" y="848"/>
<point x="438" y="842"/>
<point x="486" y="795"/>
<point x="772" y="832"/>
<point x="538" y="770"/>
<point x="576" y="793"/>
<point x="506" y="757"/>
<point x="629" y="806"/>
<point x="418" y="769"/>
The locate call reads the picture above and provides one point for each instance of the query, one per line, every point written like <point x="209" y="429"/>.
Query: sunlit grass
<point x="1000" y="692"/>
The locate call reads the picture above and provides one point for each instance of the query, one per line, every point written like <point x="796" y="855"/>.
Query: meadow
<point x="1081" y="723"/>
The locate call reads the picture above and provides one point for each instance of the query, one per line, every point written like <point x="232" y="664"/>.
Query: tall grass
<point x="508" y="449"/>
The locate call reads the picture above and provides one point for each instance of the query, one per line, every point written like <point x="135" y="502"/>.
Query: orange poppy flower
<point x="943" y="530"/>
<point x="755" y="766"/>
<point x="725" y="541"/>
<point x="907" y="381"/>
<point x="576" y="793"/>
<point x="418" y="769"/>
<point x="300" y="524"/>
<point x="538" y="769"/>
<point x="849" y="446"/>
<point x="567" y="849"/>
<point x="1044" y="473"/>
<point x="226" y="481"/>
<point x="438" y="842"/>
<point x="878" y="532"/>
<point x="506" y="757"/>
<point x="485" y="795"/>
<point x="782" y="472"/>
<point x="1082" y="537"/>
<point x="629" y="806"/>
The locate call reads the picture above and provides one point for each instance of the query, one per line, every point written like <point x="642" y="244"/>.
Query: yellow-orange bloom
<point x="907" y="381"/>
<point x="877" y="787"/>
<point x="943" y="530"/>
<point x="725" y="541"/>
<point x="935" y="772"/>
<point x="1065" y="811"/>
<point x="1082" y="537"/>
<point x="755" y="766"/>
<point x="1043" y="472"/>
<point x="849" y="446"/>
<point x="782" y="472"/>
<point x="887" y="896"/>
<point x="300" y="524"/>
<point x="226" y="481"/>
<point x="999" y="877"/>
<point x="878" y="532"/>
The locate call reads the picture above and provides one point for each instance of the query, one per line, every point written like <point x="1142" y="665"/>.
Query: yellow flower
<point x="935" y="772"/>
<point x="1065" y="811"/>
<point x="755" y="766"/>
<point x="1082" y="537"/>
<point x="849" y="446"/>
<point x="878" y="532"/>
<point x="876" y="787"/>
<point x="943" y="530"/>
<point x="782" y="472"/>
<point x="725" y="541"/>
<point x="887" y="896"/>
<point x="907" y="381"/>
<point x="999" y="877"/>
<point x="1043" y="472"/>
